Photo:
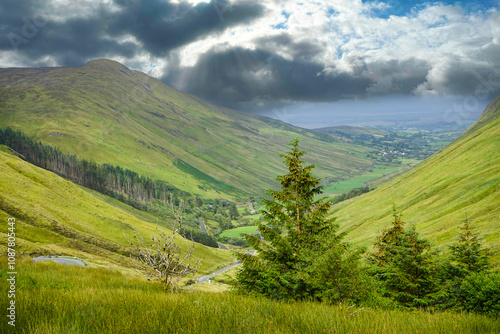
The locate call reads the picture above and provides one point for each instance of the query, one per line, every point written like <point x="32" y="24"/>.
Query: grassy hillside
<point x="54" y="216"/>
<point x="462" y="179"/>
<point x="106" y="113"/>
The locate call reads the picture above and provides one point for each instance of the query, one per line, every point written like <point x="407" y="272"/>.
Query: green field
<point x="358" y="181"/>
<point x="239" y="231"/>
<point x="53" y="298"/>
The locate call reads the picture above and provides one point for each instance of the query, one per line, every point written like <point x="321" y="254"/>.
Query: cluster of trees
<point x="412" y="274"/>
<point x="114" y="181"/>
<point x="200" y="237"/>
<point x="223" y="212"/>
<point x="351" y="193"/>
<point x="139" y="191"/>
<point x="303" y="257"/>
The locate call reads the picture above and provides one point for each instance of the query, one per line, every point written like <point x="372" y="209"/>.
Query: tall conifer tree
<point x="294" y="234"/>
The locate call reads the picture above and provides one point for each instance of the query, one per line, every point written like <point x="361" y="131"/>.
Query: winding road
<point x="207" y="278"/>
<point x="204" y="279"/>
<point x="252" y="210"/>
<point x="202" y="226"/>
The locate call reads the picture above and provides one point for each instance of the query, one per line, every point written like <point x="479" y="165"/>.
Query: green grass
<point x="358" y="181"/>
<point x="239" y="231"/>
<point x="52" y="298"/>
<point x="461" y="180"/>
<point x="106" y="113"/>
<point x="255" y="217"/>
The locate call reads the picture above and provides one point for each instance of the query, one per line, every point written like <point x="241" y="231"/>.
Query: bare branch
<point x="162" y="257"/>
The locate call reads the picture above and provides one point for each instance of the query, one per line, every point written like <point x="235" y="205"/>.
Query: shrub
<point x="480" y="293"/>
<point x="200" y="237"/>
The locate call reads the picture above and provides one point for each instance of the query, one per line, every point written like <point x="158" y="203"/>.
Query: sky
<point x="310" y="63"/>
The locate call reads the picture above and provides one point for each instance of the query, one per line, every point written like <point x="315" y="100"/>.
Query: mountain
<point x="107" y="113"/>
<point x="461" y="180"/>
<point x="55" y="216"/>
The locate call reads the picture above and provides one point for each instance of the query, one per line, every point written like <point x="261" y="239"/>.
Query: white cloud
<point x="62" y="10"/>
<point x="424" y="48"/>
<point x="347" y="38"/>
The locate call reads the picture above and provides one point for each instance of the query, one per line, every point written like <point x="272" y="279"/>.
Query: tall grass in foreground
<point x="60" y="299"/>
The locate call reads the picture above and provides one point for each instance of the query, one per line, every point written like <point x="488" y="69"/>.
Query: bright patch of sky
<point x="387" y="110"/>
<point x="282" y="25"/>
<point x="409" y="7"/>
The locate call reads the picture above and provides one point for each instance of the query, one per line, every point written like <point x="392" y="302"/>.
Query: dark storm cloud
<point x="72" y="43"/>
<point x="255" y="80"/>
<point x="159" y="25"/>
<point x="162" y="26"/>
<point x="302" y="51"/>
<point x="463" y="78"/>
<point x="11" y="14"/>
<point x="23" y="28"/>
<point x="259" y="80"/>
<point x="244" y="79"/>
<point x="394" y="76"/>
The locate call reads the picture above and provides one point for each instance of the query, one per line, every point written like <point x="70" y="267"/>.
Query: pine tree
<point x="233" y="211"/>
<point x="285" y="265"/>
<point x="389" y="242"/>
<point x="405" y="265"/>
<point x="468" y="256"/>
<point x="465" y="270"/>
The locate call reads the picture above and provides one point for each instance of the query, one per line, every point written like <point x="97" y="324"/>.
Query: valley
<point x="192" y="148"/>
<point x="115" y="168"/>
<point x="196" y="166"/>
<point x="224" y="157"/>
<point x="106" y="113"/>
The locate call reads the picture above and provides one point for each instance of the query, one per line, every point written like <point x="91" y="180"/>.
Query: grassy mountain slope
<point x="462" y="179"/>
<point x="109" y="114"/>
<point x="55" y="216"/>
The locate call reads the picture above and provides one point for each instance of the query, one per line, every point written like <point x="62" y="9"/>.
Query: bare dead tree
<point x="178" y="212"/>
<point x="162" y="257"/>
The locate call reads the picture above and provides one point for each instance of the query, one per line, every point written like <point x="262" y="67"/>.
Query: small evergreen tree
<point x="468" y="258"/>
<point x="405" y="265"/>
<point x="233" y="211"/>
<point x="285" y="267"/>
<point x="467" y="254"/>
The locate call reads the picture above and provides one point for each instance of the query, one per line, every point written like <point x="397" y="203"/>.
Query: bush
<point x="234" y="241"/>
<point x="339" y="275"/>
<point x="200" y="237"/>
<point x="480" y="293"/>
